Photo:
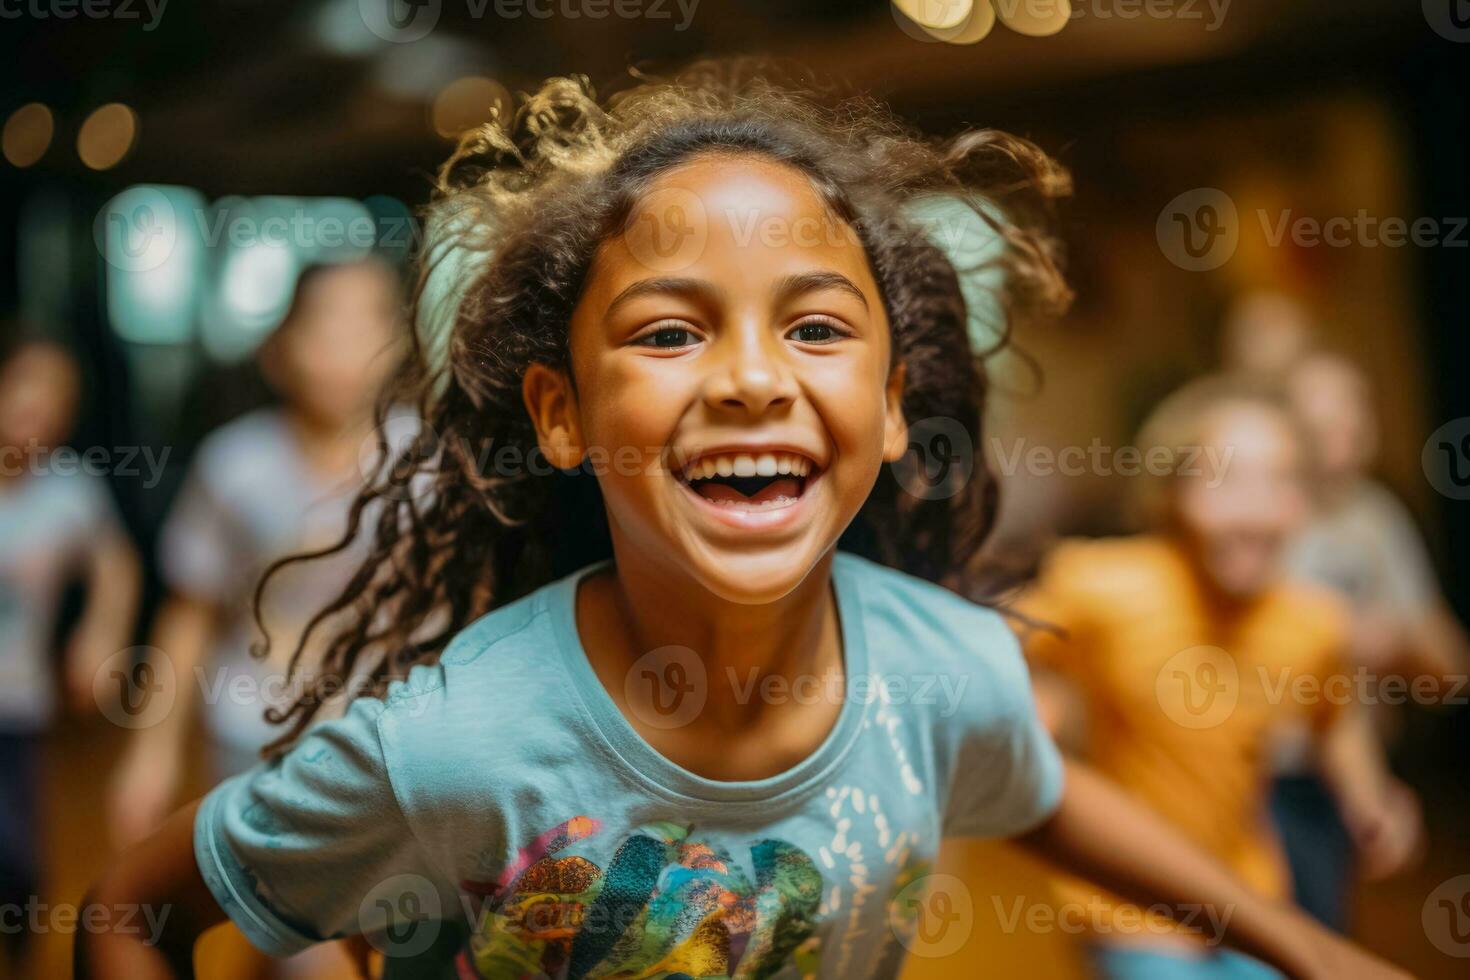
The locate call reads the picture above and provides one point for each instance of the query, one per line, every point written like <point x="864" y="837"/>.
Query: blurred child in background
<point x="1361" y="540"/>
<point x="275" y="482"/>
<point x="1361" y="543"/>
<point x="57" y="525"/>
<point x="1184" y="648"/>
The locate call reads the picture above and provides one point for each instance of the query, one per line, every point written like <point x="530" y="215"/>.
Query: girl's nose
<point x="750" y="372"/>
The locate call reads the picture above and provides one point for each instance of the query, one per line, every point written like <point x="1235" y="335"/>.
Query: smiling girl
<point x="668" y="349"/>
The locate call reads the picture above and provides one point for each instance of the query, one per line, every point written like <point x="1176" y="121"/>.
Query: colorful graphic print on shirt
<point x="667" y="905"/>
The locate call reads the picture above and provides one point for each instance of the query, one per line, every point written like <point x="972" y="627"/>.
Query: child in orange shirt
<point x="1187" y="651"/>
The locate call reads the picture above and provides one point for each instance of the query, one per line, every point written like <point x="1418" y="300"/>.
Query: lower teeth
<point x="772" y="504"/>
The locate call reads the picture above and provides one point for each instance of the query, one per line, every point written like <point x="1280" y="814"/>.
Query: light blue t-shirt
<point x="496" y="815"/>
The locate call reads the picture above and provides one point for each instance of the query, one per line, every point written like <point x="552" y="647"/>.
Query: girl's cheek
<point x="636" y="416"/>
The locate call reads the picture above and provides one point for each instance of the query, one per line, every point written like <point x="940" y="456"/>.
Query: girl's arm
<point x="1101" y="834"/>
<point x="291" y="851"/>
<point x="160" y="875"/>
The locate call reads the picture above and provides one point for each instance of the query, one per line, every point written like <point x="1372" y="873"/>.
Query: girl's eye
<point x="669" y="336"/>
<point x="817" y="332"/>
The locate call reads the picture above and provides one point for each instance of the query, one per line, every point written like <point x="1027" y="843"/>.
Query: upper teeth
<point x="744" y="464"/>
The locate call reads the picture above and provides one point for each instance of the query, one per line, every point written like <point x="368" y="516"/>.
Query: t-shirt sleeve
<point x="301" y="849"/>
<point x="197" y="551"/>
<point x="1005" y="773"/>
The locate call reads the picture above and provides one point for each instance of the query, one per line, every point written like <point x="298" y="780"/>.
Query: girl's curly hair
<point x="521" y="206"/>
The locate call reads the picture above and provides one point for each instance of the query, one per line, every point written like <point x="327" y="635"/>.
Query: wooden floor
<point x="81" y="752"/>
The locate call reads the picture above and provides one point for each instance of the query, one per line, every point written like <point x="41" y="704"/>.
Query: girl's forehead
<point x="741" y="219"/>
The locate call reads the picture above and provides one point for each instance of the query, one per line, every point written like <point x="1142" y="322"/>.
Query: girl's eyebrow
<point x="810" y="282"/>
<point x="697" y="289"/>
<point x="787" y="289"/>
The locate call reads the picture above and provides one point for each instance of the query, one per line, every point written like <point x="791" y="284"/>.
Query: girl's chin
<point x="755" y="579"/>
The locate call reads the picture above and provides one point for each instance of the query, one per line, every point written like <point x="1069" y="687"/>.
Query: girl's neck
<point x="797" y="636"/>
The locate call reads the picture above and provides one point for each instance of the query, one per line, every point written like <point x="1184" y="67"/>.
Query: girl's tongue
<point x="720" y="493"/>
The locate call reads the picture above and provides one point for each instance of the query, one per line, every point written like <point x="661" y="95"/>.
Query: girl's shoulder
<point x="948" y="663"/>
<point x="491" y="652"/>
<point x="886" y="591"/>
<point x="908" y="618"/>
<point x="500" y="693"/>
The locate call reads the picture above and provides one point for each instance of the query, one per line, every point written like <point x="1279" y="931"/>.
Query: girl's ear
<point x="552" y="405"/>
<point x="895" y="428"/>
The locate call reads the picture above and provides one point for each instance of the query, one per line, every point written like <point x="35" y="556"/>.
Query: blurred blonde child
<point x="1185" y="651"/>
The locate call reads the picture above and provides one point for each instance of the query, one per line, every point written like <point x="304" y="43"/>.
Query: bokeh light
<point x="962" y="22"/>
<point x="150" y="240"/>
<point x="28" y="134"/>
<point x="938" y="15"/>
<point x="1036" y="18"/>
<point x="107" y="136"/>
<point x="252" y="294"/>
<point x="468" y="102"/>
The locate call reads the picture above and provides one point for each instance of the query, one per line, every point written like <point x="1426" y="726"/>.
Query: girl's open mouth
<point x="749" y="483"/>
